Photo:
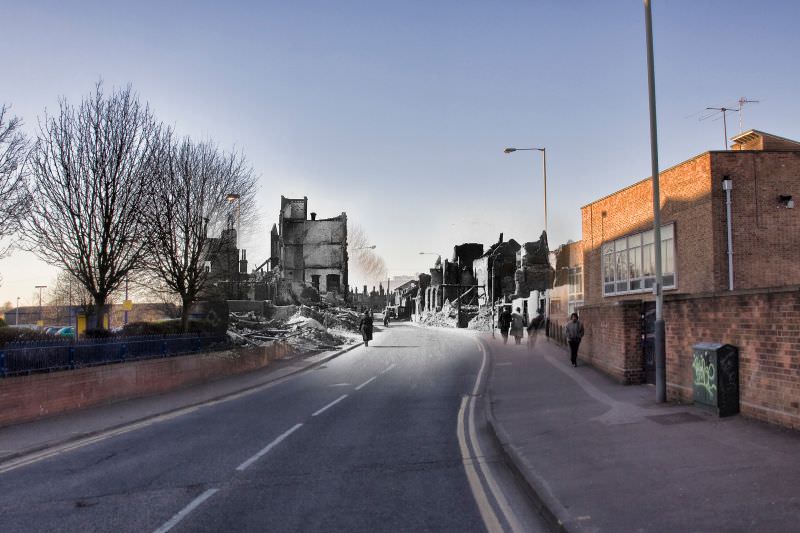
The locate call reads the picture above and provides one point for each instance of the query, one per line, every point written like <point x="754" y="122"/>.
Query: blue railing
<point x="29" y="357"/>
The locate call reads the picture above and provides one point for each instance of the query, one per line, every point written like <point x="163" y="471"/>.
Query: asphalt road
<point x="385" y="438"/>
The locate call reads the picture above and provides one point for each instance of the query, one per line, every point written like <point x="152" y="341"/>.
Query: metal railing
<point x="19" y="358"/>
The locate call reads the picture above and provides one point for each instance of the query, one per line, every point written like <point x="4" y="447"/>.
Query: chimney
<point x="313" y="216"/>
<point x="501" y="237"/>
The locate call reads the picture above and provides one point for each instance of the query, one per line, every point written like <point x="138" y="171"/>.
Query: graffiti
<point x="705" y="376"/>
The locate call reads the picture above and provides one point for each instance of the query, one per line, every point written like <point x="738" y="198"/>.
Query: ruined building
<point x="308" y="252"/>
<point x="226" y="270"/>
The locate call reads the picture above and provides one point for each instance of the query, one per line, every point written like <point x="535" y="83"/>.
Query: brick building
<point x="618" y="267"/>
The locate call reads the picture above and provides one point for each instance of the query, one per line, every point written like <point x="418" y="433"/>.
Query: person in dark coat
<point x="365" y="327"/>
<point x="517" y="325"/>
<point x="504" y="323"/>
<point x="574" y="331"/>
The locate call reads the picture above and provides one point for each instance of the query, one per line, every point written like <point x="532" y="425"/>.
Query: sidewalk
<point x="23" y="439"/>
<point x="600" y="456"/>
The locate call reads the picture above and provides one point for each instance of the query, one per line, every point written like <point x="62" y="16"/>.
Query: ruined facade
<point x="309" y="252"/>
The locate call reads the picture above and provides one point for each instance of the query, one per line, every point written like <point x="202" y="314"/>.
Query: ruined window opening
<point x="332" y="283"/>
<point x="315" y="281"/>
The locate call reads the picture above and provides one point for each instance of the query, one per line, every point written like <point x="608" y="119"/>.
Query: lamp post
<point x="491" y="280"/>
<point x="544" y="172"/>
<point x="16" y="320"/>
<point x="41" y="316"/>
<point x="660" y="328"/>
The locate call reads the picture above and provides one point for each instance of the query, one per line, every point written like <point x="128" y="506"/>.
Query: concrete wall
<point x="27" y="398"/>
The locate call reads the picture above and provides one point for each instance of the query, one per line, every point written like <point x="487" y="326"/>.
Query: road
<point x="385" y="438"/>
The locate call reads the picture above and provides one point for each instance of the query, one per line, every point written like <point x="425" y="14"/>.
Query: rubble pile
<point x="482" y="321"/>
<point x="312" y="328"/>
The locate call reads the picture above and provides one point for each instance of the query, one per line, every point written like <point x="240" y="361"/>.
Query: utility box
<point x="715" y="369"/>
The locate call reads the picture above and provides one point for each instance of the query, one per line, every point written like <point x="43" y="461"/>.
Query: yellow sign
<point x="81" y="324"/>
<point x="127" y="305"/>
<point x="40" y="323"/>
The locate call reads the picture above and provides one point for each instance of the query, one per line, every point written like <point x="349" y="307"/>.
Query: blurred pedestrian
<point x="365" y="327"/>
<point x="533" y="327"/>
<point x="504" y="322"/>
<point x="574" y="331"/>
<point x="517" y="325"/>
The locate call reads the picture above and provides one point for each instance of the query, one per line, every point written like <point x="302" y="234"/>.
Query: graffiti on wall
<point x="705" y="378"/>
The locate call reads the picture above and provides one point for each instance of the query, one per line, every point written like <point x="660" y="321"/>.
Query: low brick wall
<point x="26" y="398"/>
<point x="612" y="340"/>
<point x="763" y="324"/>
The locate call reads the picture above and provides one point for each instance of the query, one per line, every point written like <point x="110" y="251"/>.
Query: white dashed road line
<point x="370" y="380"/>
<point x="387" y="368"/>
<point x="267" y="448"/>
<point x="172" y="522"/>
<point x="334" y="402"/>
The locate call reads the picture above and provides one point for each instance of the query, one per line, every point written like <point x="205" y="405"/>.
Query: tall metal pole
<point x="16" y="320"/>
<point x="660" y="328"/>
<point x="41" y="315"/>
<point x="544" y="168"/>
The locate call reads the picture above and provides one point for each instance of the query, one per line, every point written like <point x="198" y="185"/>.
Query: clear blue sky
<point x="398" y="112"/>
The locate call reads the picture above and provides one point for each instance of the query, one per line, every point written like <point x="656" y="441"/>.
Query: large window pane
<point x="648" y="260"/>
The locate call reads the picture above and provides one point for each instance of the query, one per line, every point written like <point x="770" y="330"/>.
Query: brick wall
<point x="611" y="340"/>
<point x="27" y="398"/>
<point x="764" y="325"/>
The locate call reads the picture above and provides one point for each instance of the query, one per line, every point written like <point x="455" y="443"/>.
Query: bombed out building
<point x="307" y="251"/>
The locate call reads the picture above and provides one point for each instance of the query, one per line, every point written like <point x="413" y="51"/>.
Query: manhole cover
<point x="676" y="418"/>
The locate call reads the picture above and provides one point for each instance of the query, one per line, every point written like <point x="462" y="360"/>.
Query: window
<point x="575" y="289"/>
<point x="315" y="281"/>
<point x="629" y="263"/>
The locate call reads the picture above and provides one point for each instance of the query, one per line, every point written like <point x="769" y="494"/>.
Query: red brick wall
<point x="29" y="397"/>
<point x="611" y="340"/>
<point x="766" y="235"/>
<point x="764" y="325"/>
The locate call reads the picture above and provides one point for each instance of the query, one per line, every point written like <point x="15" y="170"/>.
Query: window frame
<point x="613" y="284"/>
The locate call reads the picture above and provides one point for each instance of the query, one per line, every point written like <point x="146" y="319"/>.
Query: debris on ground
<point x="482" y="321"/>
<point x="312" y="328"/>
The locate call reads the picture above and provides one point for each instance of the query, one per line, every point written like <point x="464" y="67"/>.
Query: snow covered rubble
<point x="309" y="329"/>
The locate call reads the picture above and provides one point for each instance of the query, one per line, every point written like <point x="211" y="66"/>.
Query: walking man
<point x="574" y="336"/>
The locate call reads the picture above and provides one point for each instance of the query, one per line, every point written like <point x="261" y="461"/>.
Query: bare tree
<point x="91" y="172"/>
<point x="191" y="195"/>
<point x="366" y="264"/>
<point x="13" y="188"/>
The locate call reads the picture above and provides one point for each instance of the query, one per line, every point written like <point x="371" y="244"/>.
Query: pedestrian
<point x="574" y="332"/>
<point x="386" y="318"/>
<point x="504" y="322"/>
<point x="534" y="326"/>
<point x="365" y="327"/>
<point x="517" y="326"/>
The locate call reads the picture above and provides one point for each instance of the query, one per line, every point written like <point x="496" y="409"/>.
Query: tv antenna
<point x="743" y="100"/>
<point x="714" y="111"/>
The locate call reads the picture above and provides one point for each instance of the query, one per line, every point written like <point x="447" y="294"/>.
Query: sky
<point x="398" y="112"/>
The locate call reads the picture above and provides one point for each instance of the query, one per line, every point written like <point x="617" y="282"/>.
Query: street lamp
<point x="41" y="316"/>
<point x="16" y="320"/>
<point x="233" y="197"/>
<point x="491" y="280"/>
<point x="544" y="170"/>
<point x="660" y="327"/>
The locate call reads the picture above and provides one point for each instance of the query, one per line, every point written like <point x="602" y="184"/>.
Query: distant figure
<point x="386" y="318"/>
<point x="517" y="326"/>
<point x="504" y="322"/>
<point x="574" y="332"/>
<point x="365" y="327"/>
<point x="534" y="326"/>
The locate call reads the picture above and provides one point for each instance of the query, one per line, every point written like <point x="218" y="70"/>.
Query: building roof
<point x="750" y="136"/>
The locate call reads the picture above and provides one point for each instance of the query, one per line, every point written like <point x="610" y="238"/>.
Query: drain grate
<point x="675" y="418"/>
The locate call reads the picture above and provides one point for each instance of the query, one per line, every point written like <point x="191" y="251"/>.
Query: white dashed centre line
<point x="387" y="368"/>
<point x="334" y="402"/>
<point x="267" y="448"/>
<point x="370" y="380"/>
<point x="172" y="522"/>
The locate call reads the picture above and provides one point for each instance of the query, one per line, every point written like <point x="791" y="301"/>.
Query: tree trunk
<point x="100" y="314"/>
<point x="185" y="316"/>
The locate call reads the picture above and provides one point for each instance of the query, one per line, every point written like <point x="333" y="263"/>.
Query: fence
<point x="18" y="358"/>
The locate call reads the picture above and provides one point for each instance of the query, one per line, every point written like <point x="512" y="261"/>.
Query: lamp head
<point x="509" y="150"/>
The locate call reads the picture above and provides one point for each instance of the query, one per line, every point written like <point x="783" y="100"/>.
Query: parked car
<point x="67" y="331"/>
